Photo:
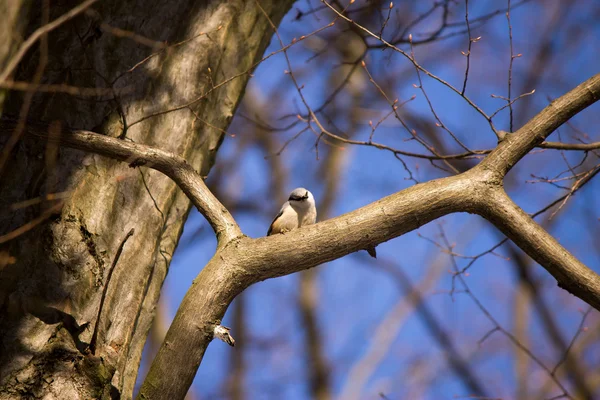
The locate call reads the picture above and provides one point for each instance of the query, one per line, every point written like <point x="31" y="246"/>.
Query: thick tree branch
<point x="173" y="166"/>
<point x="534" y="240"/>
<point x="574" y="366"/>
<point x="246" y="261"/>
<point x="516" y="145"/>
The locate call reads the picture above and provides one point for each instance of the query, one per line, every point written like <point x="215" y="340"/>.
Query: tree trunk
<point x="81" y="259"/>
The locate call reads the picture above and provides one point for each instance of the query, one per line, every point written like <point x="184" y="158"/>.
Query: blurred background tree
<point x="452" y="310"/>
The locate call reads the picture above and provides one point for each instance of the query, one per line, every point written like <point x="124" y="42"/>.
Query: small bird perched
<point x="298" y="211"/>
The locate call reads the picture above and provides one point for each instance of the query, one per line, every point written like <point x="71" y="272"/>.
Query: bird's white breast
<point x="287" y="221"/>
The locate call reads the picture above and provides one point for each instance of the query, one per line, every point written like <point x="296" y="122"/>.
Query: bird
<point x="298" y="211"/>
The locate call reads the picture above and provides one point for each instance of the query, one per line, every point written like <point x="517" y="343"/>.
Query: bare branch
<point x="137" y="155"/>
<point x="515" y="223"/>
<point x="516" y="146"/>
<point x="570" y="146"/>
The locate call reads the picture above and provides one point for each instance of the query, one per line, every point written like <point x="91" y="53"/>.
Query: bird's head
<point x="301" y="199"/>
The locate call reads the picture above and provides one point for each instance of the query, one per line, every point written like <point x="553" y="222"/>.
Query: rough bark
<point x="50" y="298"/>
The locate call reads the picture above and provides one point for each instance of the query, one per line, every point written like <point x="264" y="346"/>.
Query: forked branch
<point x="175" y="167"/>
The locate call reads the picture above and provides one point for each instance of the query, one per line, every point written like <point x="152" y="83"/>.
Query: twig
<point x="37" y="200"/>
<point x="468" y="53"/>
<point x="580" y="329"/>
<point x="387" y="19"/>
<point x="38" y="33"/>
<point x="105" y="290"/>
<point x="496" y="324"/>
<point x="228" y="80"/>
<point x="510" y="66"/>
<point x="415" y="64"/>
<point x="31" y="224"/>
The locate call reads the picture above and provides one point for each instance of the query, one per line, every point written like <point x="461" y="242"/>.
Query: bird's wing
<point x="279" y="214"/>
